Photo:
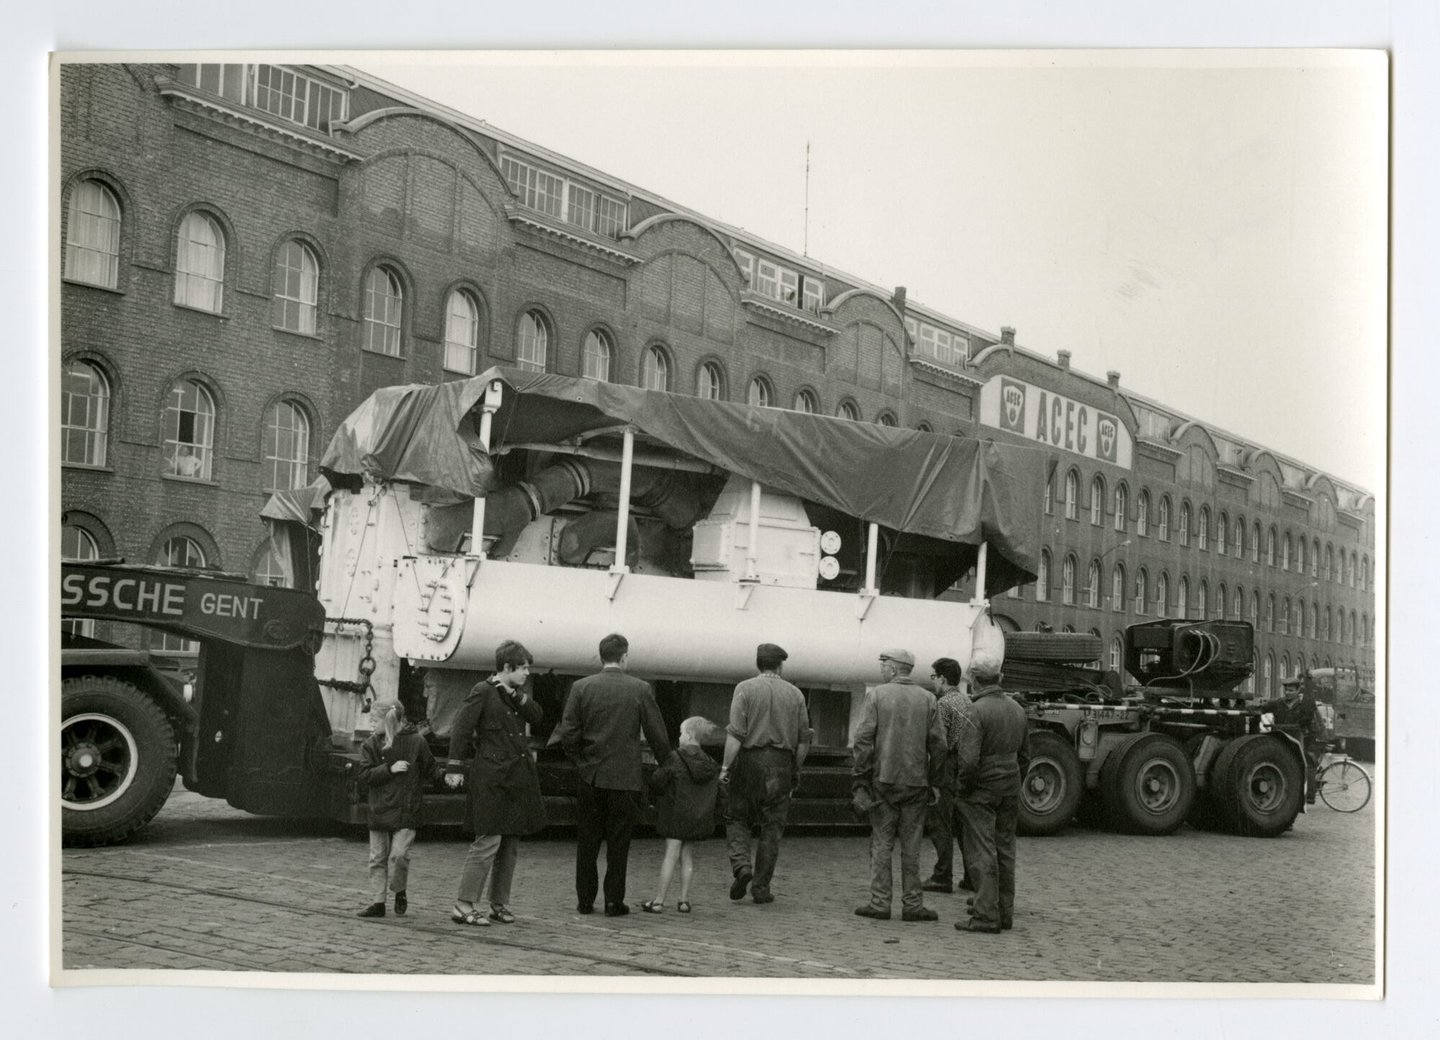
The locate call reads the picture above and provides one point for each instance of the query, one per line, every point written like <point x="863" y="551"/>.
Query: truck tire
<point x="1050" y="790"/>
<point x="1148" y="784"/>
<point x="117" y="760"/>
<point x="1257" y="786"/>
<point x="1064" y="647"/>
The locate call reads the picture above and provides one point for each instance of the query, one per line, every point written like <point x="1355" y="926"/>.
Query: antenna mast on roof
<point x="807" y="197"/>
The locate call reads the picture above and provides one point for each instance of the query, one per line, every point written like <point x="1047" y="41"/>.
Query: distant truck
<point x="1352" y="698"/>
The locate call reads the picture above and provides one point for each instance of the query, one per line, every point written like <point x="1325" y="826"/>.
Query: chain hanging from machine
<point x="366" y="667"/>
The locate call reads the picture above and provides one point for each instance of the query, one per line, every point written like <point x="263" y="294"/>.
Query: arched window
<point x="1269" y="679"/>
<point x="1255" y="608"/>
<point x="1042" y="577"/>
<point x="1270" y="613"/>
<point x="1302" y="622"/>
<point x="533" y="349"/>
<point x="805" y="402"/>
<point x="1285" y="615"/>
<point x="1182" y="598"/>
<point x="1329" y="562"/>
<point x="1365" y="629"/>
<point x="1202" y="535"/>
<point x="270" y="570"/>
<point x="1300" y="556"/>
<point x="1092" y="585"/>
<point x="1284" y="666"/>
<point x="759" y="394"/>
<point x="92" y="238"/>
<point x="84" y="415"/>
<point x="1315" y="613"/>
<point x="1142" y="585"/>
<point x="1285" y="552"/>
<point x="655" y="369"/>
<point x="384" y="307"/>
<point x="1315" y="558"/>
<point x="287" y="448"/>
<point x="1239" y="539"/>
<point x="1072" y="495"/>
<point x="1353" y="639"/>
<point x="1162" y="595"/>
<point x="1221" y="600"/>
<point x="711" y="382"/>
<point x="599" y="354"/>
<point x="1365" y="572"/>
<point x="1067" y="580"/>
<point x="1185" y="523"/>
<point x="296" y="283"/>
<point x="462" y="332"/>
<point x="885" y="419"/>
<point x="1122" y="506"/>
<point x="1097" y="501"/>
<point x="1050" y="494"/>
<point x="1270" y="548"/>
<point x="189" y="424"/>
<point x="179" y="551"/>
<point x="1164" y="519"/>
<point x="1238" y="609"/>
<point x="1202" y="600"/>
<point x="848" y="410"/>
<point x="924" y="427"/>
<point x="1142" y="513"/>
<point x="200" y="263"/>
<point x="77" y="544"/>
<point x="1350" y="571"/>
<point x="1117" y="587"/>
<point x="1117" y="653"/>
<point x="1255" y="543"/>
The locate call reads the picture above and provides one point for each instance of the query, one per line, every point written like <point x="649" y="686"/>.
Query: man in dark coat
<point x="992" y="753"/>
<point x="600" y="730"/>
<point x="1294" y="711"/>
<point x="502" y="783"/>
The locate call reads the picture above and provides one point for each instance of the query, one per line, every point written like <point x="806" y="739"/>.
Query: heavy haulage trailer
<point x="553" y="510"/>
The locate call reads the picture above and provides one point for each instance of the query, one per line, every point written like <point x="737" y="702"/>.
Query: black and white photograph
<point x="680" y="521"/>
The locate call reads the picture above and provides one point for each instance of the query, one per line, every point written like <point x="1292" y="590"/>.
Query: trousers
<point x="489" y="856"/>
<point x="898" y="813"/>
<point x="608" y="816"/>
<point x="759" y="798"/>
<point x="389" y="861"/>
<point x="988" y="841"/>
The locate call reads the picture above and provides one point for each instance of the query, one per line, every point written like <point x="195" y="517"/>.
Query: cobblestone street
<point x="207" y="887"/>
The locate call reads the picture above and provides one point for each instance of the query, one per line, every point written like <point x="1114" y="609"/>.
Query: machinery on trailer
<point x="1182" y="744"/>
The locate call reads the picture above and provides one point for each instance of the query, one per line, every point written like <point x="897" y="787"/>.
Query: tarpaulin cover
<point x="936" y="486"/>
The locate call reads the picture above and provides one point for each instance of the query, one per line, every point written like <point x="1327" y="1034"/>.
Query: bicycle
<point x="1342" y="783"/>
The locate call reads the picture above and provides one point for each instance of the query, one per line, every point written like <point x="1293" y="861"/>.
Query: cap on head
<point x="899" y="656"/>
<point x="769" y="657"/>
<point x="1289" y="681"/>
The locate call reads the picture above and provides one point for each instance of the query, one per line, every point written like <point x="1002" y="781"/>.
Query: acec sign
<point x="1054" y="420"/>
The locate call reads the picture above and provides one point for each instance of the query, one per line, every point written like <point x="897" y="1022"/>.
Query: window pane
<point x="534" y="343"/>
<point x="598" y="356"/>
<point x="200" y="264"/>
<point x="610" y="218"/>
<point x="582" y="207"/>
<point x="759" y="395"/>
<point x="462" y="329"/>
<point x="383" y="308"/>
<point x="655" y="370"/>
<point x="805" y="402"/>
<point x="177" y="552"/>
<point x="189" y="431"/>
<point x="92" y="245"/>
<point x="297" y="284"/>
<point x="287" y="448"/>
<point x="710" y="386"/>
<point x="84" y="415"/>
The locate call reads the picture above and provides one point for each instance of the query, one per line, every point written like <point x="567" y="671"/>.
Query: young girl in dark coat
<point x="686" y="785"/>
<point x="395" y="762"/>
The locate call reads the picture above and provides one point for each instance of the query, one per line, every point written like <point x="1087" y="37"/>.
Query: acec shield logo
<point x="1108" y="432"/>
<point x="1012" y="406"/>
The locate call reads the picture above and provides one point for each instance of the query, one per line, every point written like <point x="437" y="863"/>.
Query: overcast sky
<point x="1217" y="234"/>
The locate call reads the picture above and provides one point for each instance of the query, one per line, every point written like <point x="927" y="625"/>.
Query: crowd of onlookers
<point x="927" y="759"/>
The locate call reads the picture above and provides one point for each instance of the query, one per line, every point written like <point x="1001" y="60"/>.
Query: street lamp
<point x="1090" y="592"/>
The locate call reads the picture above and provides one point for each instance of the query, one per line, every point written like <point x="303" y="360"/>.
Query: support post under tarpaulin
<point x="489" y="405"/>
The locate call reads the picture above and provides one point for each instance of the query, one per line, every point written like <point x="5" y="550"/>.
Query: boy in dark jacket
<point x="686" y="785"/>
<point x="394" y="765"/>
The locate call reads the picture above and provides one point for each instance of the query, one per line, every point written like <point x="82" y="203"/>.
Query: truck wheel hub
<point x="82" y="759"/>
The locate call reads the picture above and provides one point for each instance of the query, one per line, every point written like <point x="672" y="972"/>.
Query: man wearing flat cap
<point x="765" y="746"/>
<point x="900" y="761"/>
<point x="1295" y="712"/>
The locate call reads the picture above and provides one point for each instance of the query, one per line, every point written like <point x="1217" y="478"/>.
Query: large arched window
<point x="1239" y="537"/>
<point x="92" y="238"/>
<point x="848" y="410"/>
<point x="1255" y="543"/>
<point x="655" y="369"/>
<point x="1097" y="501"/>
<point x="805" y="402"/>
<point x="1067" y="580"/>
<point x="1117" y="653"/>
<point x="599" y="355"/>
<point x="1285" y="546"/>
<point x="1302" y="620"/>
<point x="1122" y="506"/>
<point x="287" y="447"/>
<point x="462" y="332"/>
<point x="1072" y="495"/>
<point x="1092" y="585"/>
<point x="1042" y="577"/>
<point x="1221" y="602"/>
<point x="1285" y="615"/>
<point x="296" y="284"/>
<point x="1142" y="587"/>
<point x="84" y="415"/>
<point x="886" y="419"/>
<point x="759" y="394"/>
<point x="1202" y="600"/>
<point x="77" y="544"/>
<point x="1163" y="522"/>
<point x="1222" y="523"/>
<point x="384" y="308"/>
<point x="1270" y="540"/>
<point x="1162" y="595"/>
<point x="1202" y="533"/>
<point x="1185" y="523"/>
<point x="711" y="382"/>
<point x="532" y="347"/>
<point x="179" y="551"/>
<point x="1182" y="598"/>
<point x="189" y="424"/>
<point x="1117" y="587"/>
<point x="1142" y="513"/>
<point x="200" y="263"/>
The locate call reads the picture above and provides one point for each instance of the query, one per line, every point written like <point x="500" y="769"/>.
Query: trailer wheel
<point x="1148" y="784"/>
<point x="117" y="760"/>
<point x="1258" y="786"/>
<point x="1062" y="647"/>
<point x="1051" y="788"/>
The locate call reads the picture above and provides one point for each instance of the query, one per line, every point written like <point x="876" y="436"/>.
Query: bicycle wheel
<point x="1345" y="786"/>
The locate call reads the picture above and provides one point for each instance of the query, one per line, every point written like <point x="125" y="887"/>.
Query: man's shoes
<point x="616" y="909"/>
<point x="935" y="885"/>
<point x="873" y="912"/>
<point x="373" y="910"/>
<point x="584" y="908"/>
<point x="741" y="883"/>
<point x="401" y="904"/>
<point x="923" y="914"/>
<point x="761" y="895"/>
<point x="500" y="913"/>
<point x="972" y="925"/>
<point x="965" y="885"/>
<point x="1007" y="923"/>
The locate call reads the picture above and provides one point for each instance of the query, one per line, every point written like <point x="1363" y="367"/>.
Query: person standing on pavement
<point x="942" y="823"/>
<point x="395" y="763"/>
<point x="1294" y="710"/>
<point x="686" y="786"/>
<point x="501" y="782"/>
<point x="765" y="746"/>
<point x="600" y="730"/>
<point x="992" y="752"/>
<point x="899" y="761"/>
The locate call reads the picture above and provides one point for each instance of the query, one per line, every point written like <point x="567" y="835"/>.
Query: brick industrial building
<point x="250" y="250"/>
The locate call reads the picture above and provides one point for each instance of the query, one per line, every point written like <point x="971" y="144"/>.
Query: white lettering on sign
<point x="136" y="595"/>
<point x="221" y="605"/>
<point x="1054" y="420"/>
